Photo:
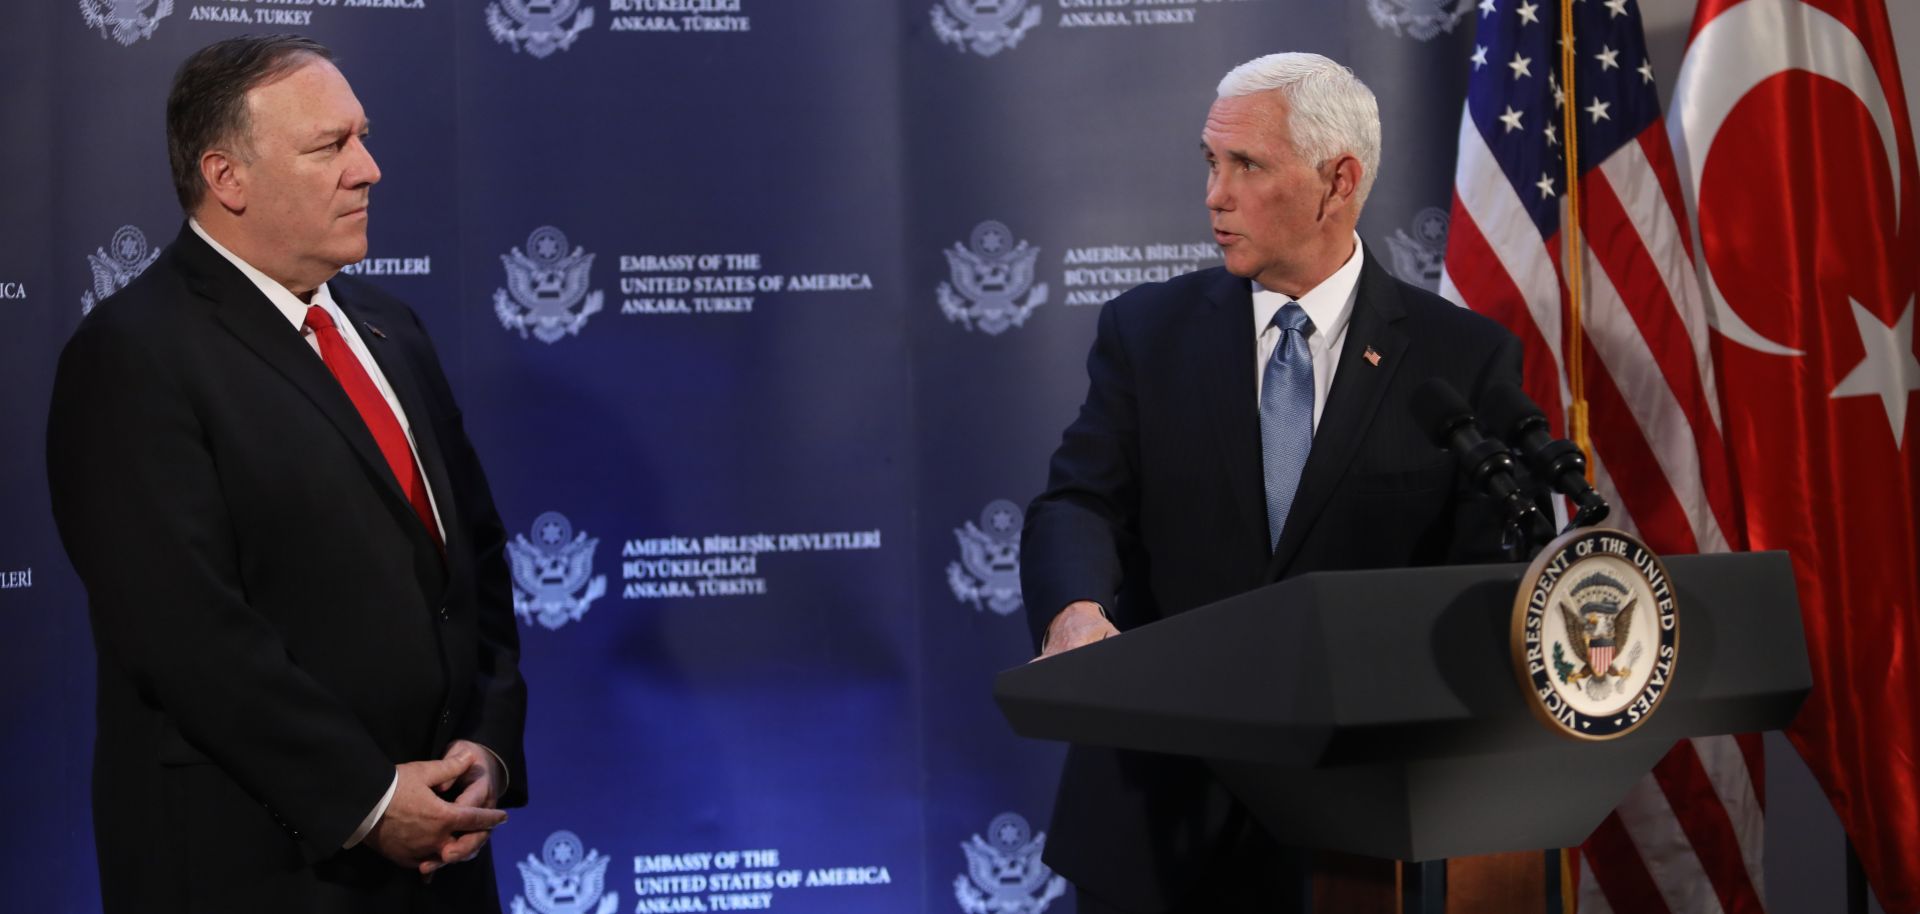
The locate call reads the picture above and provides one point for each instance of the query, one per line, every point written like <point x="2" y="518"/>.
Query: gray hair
<point x="1330" y="111"/>
<point x="207" y="106"/>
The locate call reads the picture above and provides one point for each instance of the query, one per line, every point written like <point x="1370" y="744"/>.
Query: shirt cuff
<point x="373" y="818"/>
<point x="506" y="774"/>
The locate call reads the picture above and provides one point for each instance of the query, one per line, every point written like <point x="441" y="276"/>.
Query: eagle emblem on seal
<point x="991" y="281"/>
<point x="1422" y="20"/>
<point x="563" y="881"/>
<point x="115" y="265"/>
<point x="1004" y="873"/>
<point x="988" y="573"/>
<point x="1597" y="626"/>
<point x="550" y="570"/>
<point x="538" y="27"/>
<point x="1420" y="258"/>
<point x="985" y="26"/>
<point x="546" y="293"/>
<point x="125" y="21"/>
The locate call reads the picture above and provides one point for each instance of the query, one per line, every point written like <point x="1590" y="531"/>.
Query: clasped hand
<point x="422" y="831"/>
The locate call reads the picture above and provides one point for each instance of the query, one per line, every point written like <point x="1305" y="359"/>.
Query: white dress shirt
<point x="1330" y="306"/>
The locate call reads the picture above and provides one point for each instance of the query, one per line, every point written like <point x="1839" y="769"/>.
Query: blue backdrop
<point x="764" y="317"/>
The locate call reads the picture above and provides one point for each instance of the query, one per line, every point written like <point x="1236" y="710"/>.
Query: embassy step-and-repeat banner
<point x="764" y="316"/>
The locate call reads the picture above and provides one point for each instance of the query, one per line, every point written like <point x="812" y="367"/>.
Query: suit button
<point x="446" y="717"/>
<point x="443" y="614"/>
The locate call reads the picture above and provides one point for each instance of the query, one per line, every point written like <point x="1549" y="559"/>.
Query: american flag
<point x="1688" y="836"/>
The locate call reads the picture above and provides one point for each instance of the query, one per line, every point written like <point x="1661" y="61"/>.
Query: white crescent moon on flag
<point x="1735" y="52"/>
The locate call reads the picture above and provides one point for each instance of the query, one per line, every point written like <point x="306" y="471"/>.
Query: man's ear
<point x="1343" y="185"/>
<point x="226" y="179"/>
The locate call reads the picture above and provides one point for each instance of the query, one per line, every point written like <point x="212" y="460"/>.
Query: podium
<point x="1377" y="713"/>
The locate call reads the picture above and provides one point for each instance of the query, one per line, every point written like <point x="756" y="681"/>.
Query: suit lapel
<point x="1358" y="383"/>
<point x="1225" y="363"/>
<point x="249" y="316"/>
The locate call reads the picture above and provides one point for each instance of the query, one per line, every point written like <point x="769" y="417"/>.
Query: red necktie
<point x="374" y="412"/>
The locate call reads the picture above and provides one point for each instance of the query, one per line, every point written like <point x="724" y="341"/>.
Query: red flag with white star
<point x="1790" y="129"/>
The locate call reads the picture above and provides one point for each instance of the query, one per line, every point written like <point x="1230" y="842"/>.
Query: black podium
<point x="1377" y="713"/>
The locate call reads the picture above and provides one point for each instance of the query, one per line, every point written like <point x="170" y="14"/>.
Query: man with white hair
<point x="1245" y="424"/>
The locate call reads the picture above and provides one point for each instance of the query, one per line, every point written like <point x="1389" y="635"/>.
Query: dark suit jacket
<point x="1155" y="505"/>
<point x="274" y="626"/>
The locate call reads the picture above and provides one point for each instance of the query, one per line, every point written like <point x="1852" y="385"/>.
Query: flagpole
<point x="1573" y="247"/>
<point x="1577" y="429"/>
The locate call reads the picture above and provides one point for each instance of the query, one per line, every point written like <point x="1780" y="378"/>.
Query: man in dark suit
<point x="309" y="694"/>
<point x="1242" y="425"/>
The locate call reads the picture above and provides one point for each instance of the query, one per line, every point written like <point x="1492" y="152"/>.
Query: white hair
<point x="1330" y="111"/>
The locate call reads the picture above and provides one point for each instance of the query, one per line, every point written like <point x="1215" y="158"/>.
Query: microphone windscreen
<point x="1505" y="406"/>
<point x="1437" y="407"/>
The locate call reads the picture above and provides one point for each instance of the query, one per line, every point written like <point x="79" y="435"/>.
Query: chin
<point x="350" y="253"/>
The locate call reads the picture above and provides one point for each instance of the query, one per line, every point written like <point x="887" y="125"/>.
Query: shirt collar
<point x="1329" y="305"/>
<point x="289" y="305"/>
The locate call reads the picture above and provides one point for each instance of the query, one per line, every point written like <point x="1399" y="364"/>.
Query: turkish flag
<point x="1796" y="154"/>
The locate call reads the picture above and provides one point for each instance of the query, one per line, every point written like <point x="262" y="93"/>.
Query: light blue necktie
<point x="1286" y="415"/>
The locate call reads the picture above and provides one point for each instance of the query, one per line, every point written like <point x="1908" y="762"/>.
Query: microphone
<point x="1448" y="420"/>
<point x="1514" y="416"/>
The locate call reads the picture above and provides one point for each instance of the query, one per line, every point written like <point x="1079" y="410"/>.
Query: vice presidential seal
<point x="115" y="265"/>
<point x="546" y="291"/>
<point x="564" y="880"/>
<point x="994" y="275"/>
<point x="1004" y="873"/>
<point x="986" y="26"/>
<point x="125" y="21"/>
<point x="539" y="27"/>
<point x="988" y="573"/>
<point x="1596" y="633"/>
<point x="549" y="571"/>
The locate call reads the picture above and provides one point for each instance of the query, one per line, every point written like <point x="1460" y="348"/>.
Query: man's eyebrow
<point x="1229" y="153"/>
<point x="333" y="132"/>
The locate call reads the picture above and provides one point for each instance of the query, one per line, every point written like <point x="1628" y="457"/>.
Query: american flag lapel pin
<point x="376" y="332"/>
<point x="1372" y="357"/>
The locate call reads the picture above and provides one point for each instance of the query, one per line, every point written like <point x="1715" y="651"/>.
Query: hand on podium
<point x="1081" y="623"/>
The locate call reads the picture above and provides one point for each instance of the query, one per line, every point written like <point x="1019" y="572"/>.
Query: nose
<point x="362" y="171"/>
<point x="1219" y="198"/>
